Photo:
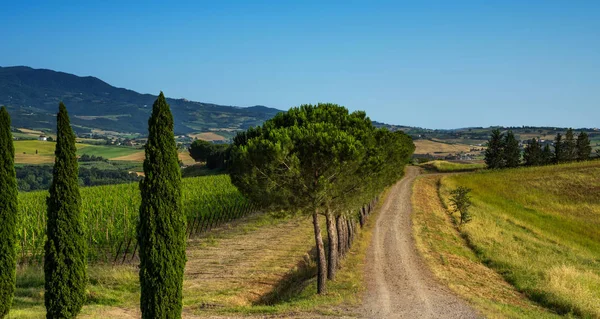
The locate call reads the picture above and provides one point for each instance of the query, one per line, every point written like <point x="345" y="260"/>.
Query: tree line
<point x="503" y="150"/>
<point x="318" y="160"/>
<point x="161" y="229"/>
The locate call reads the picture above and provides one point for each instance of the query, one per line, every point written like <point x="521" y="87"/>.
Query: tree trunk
<point x="340" y="233"/>
<point x="321" y="261"/>
<point x="332" y="236"/>
<point x="350" y="233"/>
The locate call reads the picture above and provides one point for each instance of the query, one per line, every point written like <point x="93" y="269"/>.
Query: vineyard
<point x="111" y="213"/>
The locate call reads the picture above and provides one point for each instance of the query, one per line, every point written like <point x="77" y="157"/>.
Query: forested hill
<point x="31" y="95"/>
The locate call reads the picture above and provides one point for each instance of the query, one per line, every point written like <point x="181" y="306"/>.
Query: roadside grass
<point x="452" y="261"/>
<point x="447" y="167"/>
<point x="540" y="229"/>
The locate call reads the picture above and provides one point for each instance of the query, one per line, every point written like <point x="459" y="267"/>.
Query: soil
<point x="399" y="284"/>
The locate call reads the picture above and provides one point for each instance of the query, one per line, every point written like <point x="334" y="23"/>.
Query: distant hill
<point x="32" y="96"/>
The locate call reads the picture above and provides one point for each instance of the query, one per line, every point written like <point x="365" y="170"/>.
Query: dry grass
<point x="431" y="147"/>
<point x="445" y="166"/>
<point x="135" y="157"/>
<point x="186" y="158"/>
<point x="456" y="265"/>
<point x="208" y="136"/>
<point x="540" y="228"/>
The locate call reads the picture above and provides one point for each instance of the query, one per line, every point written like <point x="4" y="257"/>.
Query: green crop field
<point x="111" y="213"/>
<point x="106" y="151"/>
<point x="25" y="151"/>
<point x="540" y="229"/>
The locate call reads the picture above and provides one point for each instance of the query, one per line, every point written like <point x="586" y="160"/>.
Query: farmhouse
<point x="42" y="138"/>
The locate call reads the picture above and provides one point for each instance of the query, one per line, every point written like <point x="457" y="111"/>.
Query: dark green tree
<point x="569" y="146"/>
<point x="494" y="154"/>
<point x="8" y="214"/>
<point x="547" y="157"/>
<point x="161" y="228"/>
<point x="559" y="150"/>
<point x="200" y="150"/>
<point x="532" y="155"/>
<point x="305" y="159"/>
<point x="583" y="148"/>
<point x="512" y="152"/>
<point x="461" y="201"/>
<point x="65" y="249"/>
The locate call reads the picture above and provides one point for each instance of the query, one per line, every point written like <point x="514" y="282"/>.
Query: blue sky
<point x="436" y="64"/>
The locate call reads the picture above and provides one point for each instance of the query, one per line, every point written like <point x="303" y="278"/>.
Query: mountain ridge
<point x="32" y="95"/>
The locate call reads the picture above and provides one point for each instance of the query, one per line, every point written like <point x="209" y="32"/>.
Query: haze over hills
<point x="32" y="97"/>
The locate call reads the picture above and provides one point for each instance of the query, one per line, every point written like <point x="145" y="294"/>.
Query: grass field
<point x="452" y="261"/>
<point x="431" y="147"/>
<point x="540" y="229"/>
<point x="25" y="152"/>
<point x="445" y="166"/>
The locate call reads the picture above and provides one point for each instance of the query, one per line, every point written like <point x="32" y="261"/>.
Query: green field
<point x="540" y="229"/>
<point x="111" y="213"/>
<point x="25" y="151"/>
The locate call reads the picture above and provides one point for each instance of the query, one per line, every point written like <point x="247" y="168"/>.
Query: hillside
<point x="32" y="96"/>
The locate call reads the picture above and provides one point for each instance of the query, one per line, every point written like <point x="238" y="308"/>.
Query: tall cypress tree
<point x="65" y="258"/>
<point x="494" y="157"/>
<point x="559" y="150"/>
<point x="583" y="148"/>
<point x="512" y="152"/>
<point x="569" y="146"/>
<point x="161" y="229"/>
<point x="8" y="214"/>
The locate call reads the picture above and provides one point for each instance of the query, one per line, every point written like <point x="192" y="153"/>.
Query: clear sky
<point x="435" y="64"/>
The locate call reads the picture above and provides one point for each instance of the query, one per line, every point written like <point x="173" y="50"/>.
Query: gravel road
<point x="399" y="284"/>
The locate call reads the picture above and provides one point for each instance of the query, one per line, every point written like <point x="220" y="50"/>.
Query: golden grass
<point x="208" y="136"/>
<point x="540" y="228"/>
<point x="186" y="158"/>
<point x="431" y="147"/>
<point x="445" y="166"/>
<point x="134" y="157"/>
<point x="456" y="265"/>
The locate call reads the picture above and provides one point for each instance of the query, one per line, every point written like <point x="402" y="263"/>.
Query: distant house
<point x="42" y="138"/>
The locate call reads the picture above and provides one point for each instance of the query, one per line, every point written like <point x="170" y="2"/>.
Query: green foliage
<point x="583" y="149"/>
<point x="547" y="156"/>
<point x="461" y="201"/>
<point x="65" y="251"/>
<point x="200" y="149"/>
<point x="494" y="157"/>
<point x="533" y="153"/>
<point x="511" y="153"/>
<point x="8" y="215"/>
<point x="560" y="155"/>
<point x="161" y="229"/>
<point x="569" y="146"/>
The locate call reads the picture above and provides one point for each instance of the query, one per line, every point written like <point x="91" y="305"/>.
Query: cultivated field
<point x="111" y="213"/>
<point x="537" y="227"/>
<point x="439" y="148"/>
<point x="446" y="166"/>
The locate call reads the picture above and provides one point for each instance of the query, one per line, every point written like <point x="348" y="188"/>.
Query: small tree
<point x="569" y="146"/>
<point x="511" y="153"/>
<point x="8" y="214"/>
<point x="461" y="201"/>
<point x="533" y="153"/>
<point x="161" y="229"/>
<point x="495" y="149"/>
<point x="65" y="251"/>
<point x="583" y="148"/>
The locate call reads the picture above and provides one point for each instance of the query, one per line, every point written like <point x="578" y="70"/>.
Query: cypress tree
<point x="161" y="228"/>
<point x="569" y="146"/>
<point x="65" y="251"/>
<point x="533" y="153"/>
<point x="547" y="155"/>
<point x="512" y="152"/>
<point x="494" y="157"/>
<point x="559" y="151"/>
<point x="8" y="214"/>
<point x="583" y="148"/>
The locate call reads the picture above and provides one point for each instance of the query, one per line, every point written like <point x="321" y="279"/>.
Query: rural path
<point x="399" y="284"/>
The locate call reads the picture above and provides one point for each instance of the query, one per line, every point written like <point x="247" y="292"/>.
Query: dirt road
<point x="399" y="285"/>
